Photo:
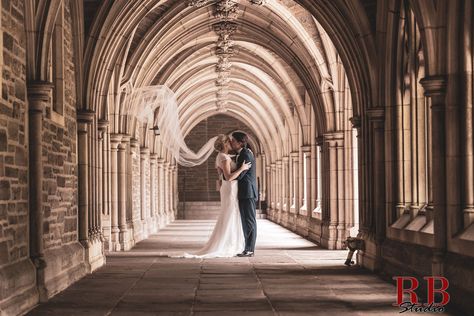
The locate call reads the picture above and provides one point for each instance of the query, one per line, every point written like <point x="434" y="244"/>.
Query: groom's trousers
<point x="249" y="222"/>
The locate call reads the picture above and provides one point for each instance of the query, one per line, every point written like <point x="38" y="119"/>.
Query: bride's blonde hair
<point x="219" y="144"/>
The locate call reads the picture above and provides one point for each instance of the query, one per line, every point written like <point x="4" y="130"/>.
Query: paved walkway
<point x="288" y="276"/>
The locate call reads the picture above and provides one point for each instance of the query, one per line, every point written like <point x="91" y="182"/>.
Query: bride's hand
<point x="246" y="165"/>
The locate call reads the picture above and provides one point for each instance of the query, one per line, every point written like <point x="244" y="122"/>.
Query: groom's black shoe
<point x="246" y="254"/>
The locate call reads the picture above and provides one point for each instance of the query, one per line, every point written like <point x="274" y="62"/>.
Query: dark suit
<point x="248" y="196"/>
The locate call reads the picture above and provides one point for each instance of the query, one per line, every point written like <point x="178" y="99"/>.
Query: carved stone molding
<point x="258" y="2"/>
<point x="198" y="3"/>
<point x="227" y="9"/>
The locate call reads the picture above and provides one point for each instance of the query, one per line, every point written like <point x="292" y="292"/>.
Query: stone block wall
<point x="199" y="183"/>
<point x="63" y="254"/>
<point x="17" y="273"/>
<point x="13" y="140"/>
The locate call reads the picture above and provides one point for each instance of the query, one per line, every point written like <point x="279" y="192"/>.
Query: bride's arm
<point x="228" y="175"/>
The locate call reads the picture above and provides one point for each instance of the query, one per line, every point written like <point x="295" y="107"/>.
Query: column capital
<point x="85" y="116"/>
<point x="102" y="125"/>
<point x="115" y="138"/>
<point x="160" y="160"/>
<point x="333" y="136"/>
<point x="306" y="148"/>
<point x="134" y="142"/>
<point x="154" y="157"/>
<point x="434" y="85"/>
<point x="126" y="138"/>
<point x="295" y="154"/>
<point x="39" y="93"/>
<point x="279" y="163"/>
<point x="268" y="168"/>
<point x="376" y="114"/>
<point x="285" y="159"/>
<point x="144" y="151"/>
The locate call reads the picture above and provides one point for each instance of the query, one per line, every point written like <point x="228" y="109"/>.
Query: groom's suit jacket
<point x="247" y="179"/>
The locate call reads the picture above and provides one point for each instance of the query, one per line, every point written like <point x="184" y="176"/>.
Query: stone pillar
<point x="134" y="207"/>
<point x="115" y="140"/>
<point x="84" y="119"/>
<point x="306" y="181"/>
<point x="175" y="190"/>
<point x="152" y="213"/>
<point x="313" y="194"/>
<point x="38" y="98"/>
<point x="268" y="186"/>
<point x="105" y="183"/>
<point x="286" y="181"/>
<point x="144" y="154"/>
<point x="263" y="183"/>
<point x="103" y="180"/>
<point x="334" y="182"/>
<point x="435" y="90"/>
<point x="279" y="184"/>
<point x="295" y="170"/>
<point x="273" y="185"/>
<point x="122" y="194"/>
<point x="160" y="194"/>
<point x="166" y="192"/>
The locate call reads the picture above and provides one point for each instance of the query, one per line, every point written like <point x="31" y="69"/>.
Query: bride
<point x="227" y="238"/>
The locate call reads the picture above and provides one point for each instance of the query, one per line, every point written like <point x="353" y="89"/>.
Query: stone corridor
<point x="288" y="276"/>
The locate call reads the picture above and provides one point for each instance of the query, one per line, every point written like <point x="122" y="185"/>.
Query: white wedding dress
<point x="227" y="238"/>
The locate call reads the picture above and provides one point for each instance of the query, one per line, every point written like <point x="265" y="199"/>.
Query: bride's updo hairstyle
<point x="219" y="144"/>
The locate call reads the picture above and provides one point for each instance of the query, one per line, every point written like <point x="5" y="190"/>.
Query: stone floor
<point x="288" y="276"/>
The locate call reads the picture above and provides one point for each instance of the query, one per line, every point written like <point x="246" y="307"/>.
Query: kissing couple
<point x="235" y="232"/>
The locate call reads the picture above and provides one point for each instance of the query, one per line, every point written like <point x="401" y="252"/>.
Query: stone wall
<point x="63" y="254"/>
<point x="199" y="183"/>
<point x="17" y="273"/>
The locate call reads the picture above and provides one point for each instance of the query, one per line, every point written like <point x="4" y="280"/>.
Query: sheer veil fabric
<point x="157" y="106"/>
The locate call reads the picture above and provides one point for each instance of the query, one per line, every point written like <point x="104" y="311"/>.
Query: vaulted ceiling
<point x="268" y="63"/>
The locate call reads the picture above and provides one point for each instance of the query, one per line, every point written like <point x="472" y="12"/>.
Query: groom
<point x="247" y="192"/>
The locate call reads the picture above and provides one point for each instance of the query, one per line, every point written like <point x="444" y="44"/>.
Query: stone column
<point x="160" y="190"/>
<point x="306" y="208"/>
<point x="273" y="185"/>
<point x="166" y="191"/>
<point x="295" y="170"/>
<point x="263" y="183"/>
<point x="175" y="190"/>
<point x="115" y="140"/>
<point x="334" y="182"/>
<point x="152" y="213"/>
<point x="38" y="98"/>
<point x="279" y="184"/>
<point x="268" y="186"/>
<point x="104" y="171"/>
<point x="100" y="179"/>
<point x="134" y="207"/>
<point x="122" y="194"/>
<point x="435" y="90"/>
<point x="313" y="194"/>
<point x="144" y="153"/>
<point x="286" y="180"/>
<point x="84" y="118"/>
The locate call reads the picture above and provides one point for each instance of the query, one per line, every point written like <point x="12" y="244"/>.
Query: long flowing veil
<point x="157" y="106"/>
